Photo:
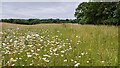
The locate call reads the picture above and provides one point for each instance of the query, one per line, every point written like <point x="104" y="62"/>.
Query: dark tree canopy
<point x="104" y="0"/>
<point x="107" y="13"/>
<point x="38" y="21"/>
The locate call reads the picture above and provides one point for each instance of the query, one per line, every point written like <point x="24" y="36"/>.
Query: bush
<point x="111" y="21"/>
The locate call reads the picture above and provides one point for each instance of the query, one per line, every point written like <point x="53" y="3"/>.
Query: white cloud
<point x="39" y="10"/>
<point x="0" y="10"/>
<point x="44" y="0"/>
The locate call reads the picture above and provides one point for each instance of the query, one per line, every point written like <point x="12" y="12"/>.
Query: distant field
<point x="59" y="45"/>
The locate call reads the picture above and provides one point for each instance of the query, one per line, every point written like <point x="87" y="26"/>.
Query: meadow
<point x="59" y="45"/>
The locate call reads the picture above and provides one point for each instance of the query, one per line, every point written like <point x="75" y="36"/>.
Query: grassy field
<point x="59" y="45"/>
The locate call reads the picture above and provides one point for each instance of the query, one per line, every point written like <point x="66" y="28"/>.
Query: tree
<point x="104" y="0"/>
<point x="37" y="21"/>
<point x="98" y="13"/>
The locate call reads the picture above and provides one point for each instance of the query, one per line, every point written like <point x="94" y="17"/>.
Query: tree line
<point x="37" y="21"/>
<point x="107" y="13"/>
<point x="104" y="0"/>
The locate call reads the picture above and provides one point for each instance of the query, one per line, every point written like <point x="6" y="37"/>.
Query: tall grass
<point x="59" y="45"/>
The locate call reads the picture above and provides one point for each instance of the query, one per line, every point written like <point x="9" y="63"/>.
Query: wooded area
<point x="38" y="21"/>
<point x="107" y="13"/>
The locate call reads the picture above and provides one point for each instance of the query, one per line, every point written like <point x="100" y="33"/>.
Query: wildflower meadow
<point x="59" y="45"/>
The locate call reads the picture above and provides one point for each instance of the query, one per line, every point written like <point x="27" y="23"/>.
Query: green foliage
<point x="98" y="13"/>
<point x="111" y="21"/>
<point x="84" y="20"/>
<point x="37" y="21"/>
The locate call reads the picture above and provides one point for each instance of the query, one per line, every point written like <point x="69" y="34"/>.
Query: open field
<point x="59" y="45"/>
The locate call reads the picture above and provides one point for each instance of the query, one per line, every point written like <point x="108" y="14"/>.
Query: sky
<point x="44" y="0"/>
<point x="40" y="10"/>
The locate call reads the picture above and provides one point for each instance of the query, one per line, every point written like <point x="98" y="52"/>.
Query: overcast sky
<point x="60" y="10"/>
